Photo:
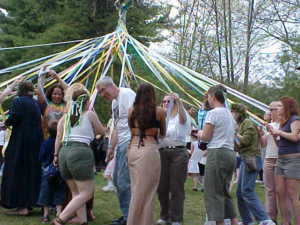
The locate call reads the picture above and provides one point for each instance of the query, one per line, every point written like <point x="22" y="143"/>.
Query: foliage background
<point x="220" y="39"/>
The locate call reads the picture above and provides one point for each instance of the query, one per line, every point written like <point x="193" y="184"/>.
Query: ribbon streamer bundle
<point x="96" y="57"/>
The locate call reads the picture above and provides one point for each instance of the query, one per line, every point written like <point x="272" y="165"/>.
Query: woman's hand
<point x="55" y="161"/>
<point x="53" y="74"/>
<point x="260" y="130"/>
<point x="236" y="128"/>
<point x="276" y="132"/>
<point x="269" y="128"/>
<point x="175" y="97"/>
<point x="109" y="154"/>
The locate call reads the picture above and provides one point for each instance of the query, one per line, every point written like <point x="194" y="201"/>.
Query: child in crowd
<point x="193" y="169"/>
<point x="108" y="173"/>
<point x="53" y="187"/>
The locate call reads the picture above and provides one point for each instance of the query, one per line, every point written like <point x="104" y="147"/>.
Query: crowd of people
<point x="152" y="140"/>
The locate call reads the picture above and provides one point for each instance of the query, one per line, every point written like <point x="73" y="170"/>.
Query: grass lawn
<point x="106" y="207"/>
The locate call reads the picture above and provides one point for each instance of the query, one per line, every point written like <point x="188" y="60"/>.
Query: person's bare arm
<point x="9" y="89"/>
<point x="162" y="119"/>
<point x="40" y="96"/>
<point x="59" y="135"/>
<point x="293" y="136"/>
<point x="54" y="75"/>
<point x="96" y="124"/>
<point x="206" y="133"/>
<point x="181" y="111"/>
<point x="112" y="143"/>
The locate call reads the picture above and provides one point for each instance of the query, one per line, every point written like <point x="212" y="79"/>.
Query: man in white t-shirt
<point x="122" y="99"/>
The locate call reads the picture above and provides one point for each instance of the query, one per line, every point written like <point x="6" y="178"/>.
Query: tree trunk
<point x="248" y="45"/>
<point x="218" y="40"/>
<point x="230" y="42"/>
<point x="226" y="41"/>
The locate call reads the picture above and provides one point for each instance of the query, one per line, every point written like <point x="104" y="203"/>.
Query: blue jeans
<point x="122" y="179"/>
<point x="247" y="200"/>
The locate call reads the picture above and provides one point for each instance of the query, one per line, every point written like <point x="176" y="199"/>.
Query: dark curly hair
<point x="241" y="110"/>
<point x="217" y="91"/>
<point x="50" y="90"/>
<point x="25" y="88"/>
<point x="144" y="106"/>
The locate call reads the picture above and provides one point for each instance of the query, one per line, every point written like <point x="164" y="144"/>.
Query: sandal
<point x="74" y="220"/>
<point x="45" y="219"/>
<point x="57" y="221"/>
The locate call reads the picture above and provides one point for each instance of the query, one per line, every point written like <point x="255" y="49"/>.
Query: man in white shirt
<point x="122" y="99"/>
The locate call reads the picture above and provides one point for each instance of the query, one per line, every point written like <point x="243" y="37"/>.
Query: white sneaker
<point x="163" y="222"/>
<point x="259" y="182"/>
<point x="109" y="188"/>
<point x="267" y="222"/>
<point x="176" y="223"/>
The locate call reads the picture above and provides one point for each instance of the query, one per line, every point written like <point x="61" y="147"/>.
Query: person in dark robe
<point x="22" y="171"/>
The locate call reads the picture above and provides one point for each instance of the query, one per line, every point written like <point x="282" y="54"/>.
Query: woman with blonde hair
<point x="271" y="156"/>
<point x="174" y="161"/>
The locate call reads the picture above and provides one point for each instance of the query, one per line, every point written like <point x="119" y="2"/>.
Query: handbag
<point x="250" y="162"/>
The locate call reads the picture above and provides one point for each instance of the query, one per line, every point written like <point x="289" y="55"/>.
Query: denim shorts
<point x="289" y="166"/>
<point x="48" y="197"/>
<point x="76" y="161"/>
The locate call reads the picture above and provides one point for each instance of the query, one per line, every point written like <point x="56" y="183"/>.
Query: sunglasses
<point x="273" y="109"/>
<point x="166" y="101"/>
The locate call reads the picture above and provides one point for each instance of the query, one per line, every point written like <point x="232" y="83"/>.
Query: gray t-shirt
<point x="223" y="128"/>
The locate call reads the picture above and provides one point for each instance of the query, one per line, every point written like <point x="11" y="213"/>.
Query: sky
<point x="269" y="51"/>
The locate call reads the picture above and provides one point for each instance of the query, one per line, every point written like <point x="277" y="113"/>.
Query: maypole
<point x="95" y="57"/>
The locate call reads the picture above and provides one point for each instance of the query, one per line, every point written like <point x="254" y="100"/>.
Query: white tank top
<point x="82" y="132"/>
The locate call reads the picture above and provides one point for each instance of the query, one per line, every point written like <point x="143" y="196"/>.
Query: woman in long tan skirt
<point x="146" y="122"/>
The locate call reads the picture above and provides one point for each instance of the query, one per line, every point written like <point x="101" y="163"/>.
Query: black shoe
<point x="119" y="222"/>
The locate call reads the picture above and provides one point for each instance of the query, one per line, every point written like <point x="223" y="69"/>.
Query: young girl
<point x="76" y="161"/>
<point x="193" y="169"/>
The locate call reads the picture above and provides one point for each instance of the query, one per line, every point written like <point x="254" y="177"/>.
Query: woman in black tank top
<point x="146" y="122"/>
